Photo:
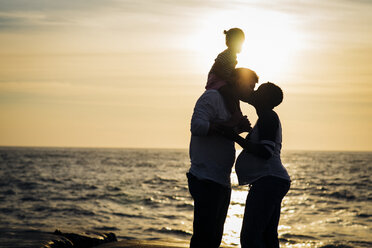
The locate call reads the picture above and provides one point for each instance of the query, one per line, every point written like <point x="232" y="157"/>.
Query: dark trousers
<point x="262" y="213"/>
<point x="211" y="202"/>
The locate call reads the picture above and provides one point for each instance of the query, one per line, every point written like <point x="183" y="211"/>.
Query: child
<point x="222" y="75"/>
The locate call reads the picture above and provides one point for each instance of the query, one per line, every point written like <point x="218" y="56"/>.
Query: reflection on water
<point x="143" y="194"/>
<point x="235" y="214"/>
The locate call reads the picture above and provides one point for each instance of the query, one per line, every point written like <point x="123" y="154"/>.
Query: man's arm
<point x="204" y="112"/>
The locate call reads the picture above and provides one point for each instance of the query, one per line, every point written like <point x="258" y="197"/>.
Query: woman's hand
<point x="244" y="125"/>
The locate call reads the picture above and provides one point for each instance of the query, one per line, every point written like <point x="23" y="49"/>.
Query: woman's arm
<point x="258" y="149"/>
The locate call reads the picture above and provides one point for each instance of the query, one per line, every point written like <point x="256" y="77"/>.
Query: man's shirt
<point x="212" y="156"/>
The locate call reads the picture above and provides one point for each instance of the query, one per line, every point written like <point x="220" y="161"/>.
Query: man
<point x="212" y="157"/>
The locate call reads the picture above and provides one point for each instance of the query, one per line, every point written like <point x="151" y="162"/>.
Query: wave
<point x="363" y="215"/>
<point x="232" y="203"/>
<point x="132" y="216"/>
<point x="298" y="236"/>
<point x="336" y="246"/>
<point x="170" y="216"/>
<point x="186" y="206"/>
<point x="341" y="195"/>
<point x="8" y="192"/>
<point x="27" y="185"/>
<point x="7" y="210"/>
<point x="30" y="199"/>
<point x="145" y="164"/>
<point x="167" y="230"/>
<point x="159" y="180"/>
<point x="106" y="228"/>
<point x="362" y="243"/>
<point x="150" y="201"/>
<point x="64" y="210"/>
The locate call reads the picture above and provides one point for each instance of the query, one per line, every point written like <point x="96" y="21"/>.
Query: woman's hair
<point x="272" y="93"/>
<point x="233" y="35"/>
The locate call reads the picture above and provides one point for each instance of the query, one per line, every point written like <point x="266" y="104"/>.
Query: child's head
<point x="234" y="39"/>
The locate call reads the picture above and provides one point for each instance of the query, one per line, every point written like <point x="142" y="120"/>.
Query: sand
<point x="144" y="244"/>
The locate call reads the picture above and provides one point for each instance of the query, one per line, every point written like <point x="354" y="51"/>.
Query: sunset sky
<point x="127" y="73"/>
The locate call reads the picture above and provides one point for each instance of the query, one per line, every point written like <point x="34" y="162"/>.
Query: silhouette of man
<point x="212" y="157"/>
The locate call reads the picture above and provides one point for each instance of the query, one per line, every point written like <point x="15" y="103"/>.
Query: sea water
<point x="143" y="194"/>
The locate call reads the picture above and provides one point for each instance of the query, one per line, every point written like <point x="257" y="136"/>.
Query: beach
<point x="38" y="239"/>
<point x="144" y="244"/>
<point x="141" y="196"/>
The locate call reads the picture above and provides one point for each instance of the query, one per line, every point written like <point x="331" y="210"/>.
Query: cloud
<point x="36" y="15"/>
<point x="32" y="21"/>
<point x="165" y="7"/>
<point x="146" y="19"/>
<point x="55" y="6"/>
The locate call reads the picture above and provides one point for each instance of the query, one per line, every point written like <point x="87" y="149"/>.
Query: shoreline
<point x="40" y="239"/>
<point x="109" y="240"/>
<point x="57" y="239"/>
<point x="144" y="244"/>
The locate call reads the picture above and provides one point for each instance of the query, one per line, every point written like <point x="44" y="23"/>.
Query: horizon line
<point x="163" y="148"/>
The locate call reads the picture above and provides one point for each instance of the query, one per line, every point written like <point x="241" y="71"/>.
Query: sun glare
<point x="271" y="40"/>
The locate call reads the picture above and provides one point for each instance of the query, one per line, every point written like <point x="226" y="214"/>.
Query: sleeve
<point x="204" y="112"/>
<point x="268" y="125"/>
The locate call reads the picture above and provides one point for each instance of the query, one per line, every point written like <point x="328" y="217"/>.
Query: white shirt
<point x="250" y="168"/>
<point x="212" y="156"/>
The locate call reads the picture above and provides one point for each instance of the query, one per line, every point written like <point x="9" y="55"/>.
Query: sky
<point x="121" y="73"/>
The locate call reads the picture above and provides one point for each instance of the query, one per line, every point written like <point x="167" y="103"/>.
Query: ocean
<point x="143" y="194"/>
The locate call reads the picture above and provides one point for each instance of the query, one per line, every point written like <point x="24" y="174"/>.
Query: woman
<point x="260" y="166"/>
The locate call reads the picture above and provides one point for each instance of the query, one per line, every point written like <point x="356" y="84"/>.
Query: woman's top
<point x="268" y="132"/>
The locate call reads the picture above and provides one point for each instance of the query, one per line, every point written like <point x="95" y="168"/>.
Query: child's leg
<point x="230" y="100"/>
<point x="232" y="105"/>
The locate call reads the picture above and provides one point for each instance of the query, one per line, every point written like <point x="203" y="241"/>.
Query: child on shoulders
<point x="222" y="75"/>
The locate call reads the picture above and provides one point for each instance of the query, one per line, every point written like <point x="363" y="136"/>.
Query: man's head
<point x="245" y="81"/>
<point x="267" y="96"/>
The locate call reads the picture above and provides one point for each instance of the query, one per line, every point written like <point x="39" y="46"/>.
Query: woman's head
<point x="234" y="39"/>
<point x="267" y="96"/>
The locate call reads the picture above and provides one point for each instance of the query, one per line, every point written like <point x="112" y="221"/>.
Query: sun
<point x="270" y="47"/>
<point x="271" y="40"/>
